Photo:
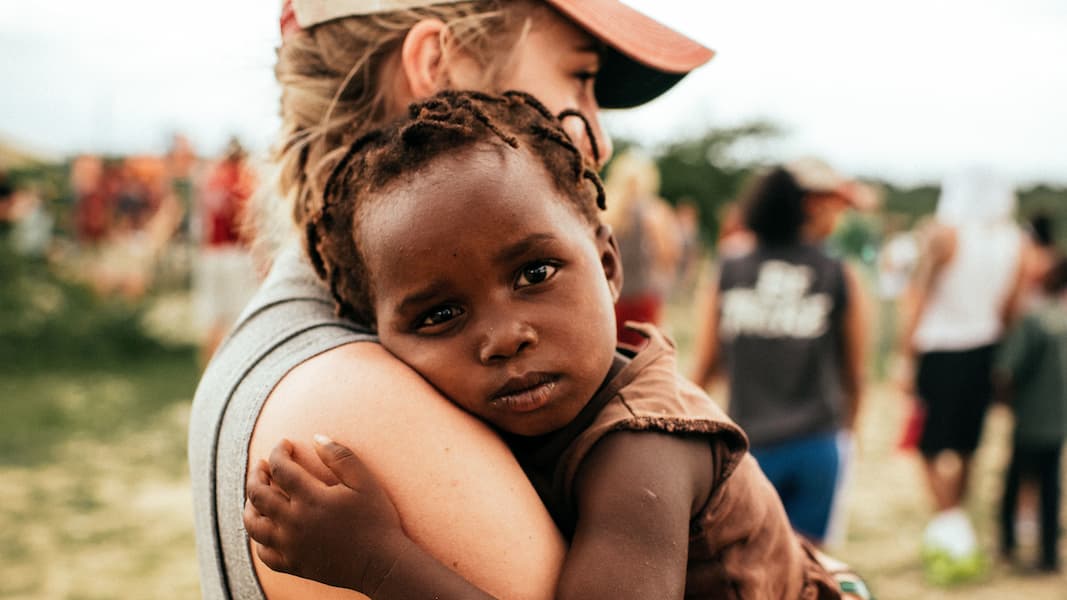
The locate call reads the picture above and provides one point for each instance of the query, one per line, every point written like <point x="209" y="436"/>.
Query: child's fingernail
<point x="322" y="440"/>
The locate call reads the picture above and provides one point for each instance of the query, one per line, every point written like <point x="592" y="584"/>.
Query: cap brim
<point x="644" y="59"/>
<point x="863" y="196"/>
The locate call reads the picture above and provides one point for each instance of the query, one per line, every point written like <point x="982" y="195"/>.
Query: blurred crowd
<point x="963" y="308"/>
<point x="127" y="224"/>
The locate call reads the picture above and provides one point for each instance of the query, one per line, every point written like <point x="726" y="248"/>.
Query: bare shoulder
<point x="459" y="491"/>
<point x="361" y="395"/>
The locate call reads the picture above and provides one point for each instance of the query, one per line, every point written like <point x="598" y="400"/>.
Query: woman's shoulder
<point x="358" y="386"/>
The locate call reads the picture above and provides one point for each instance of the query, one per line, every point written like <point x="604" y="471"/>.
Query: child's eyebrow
<point x="420" y="297"/>
<point x="516" y="250"/>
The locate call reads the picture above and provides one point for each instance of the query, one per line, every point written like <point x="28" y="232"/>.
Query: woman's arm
<point x="937" y="248"/>
<point x="459" y="492"/>
<point x="854" y="343"/>
<point x="637" y="492"/>
<point x="345" y="534"/>
<point x="707" y="339"/>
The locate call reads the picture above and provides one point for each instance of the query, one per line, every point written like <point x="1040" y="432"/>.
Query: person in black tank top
<point x="785" y="327"/>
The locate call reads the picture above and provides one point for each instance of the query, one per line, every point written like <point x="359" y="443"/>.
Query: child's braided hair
<point x="443" y="124"/>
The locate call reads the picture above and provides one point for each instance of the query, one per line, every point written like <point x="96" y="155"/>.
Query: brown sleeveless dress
<point x="741" y="544"/>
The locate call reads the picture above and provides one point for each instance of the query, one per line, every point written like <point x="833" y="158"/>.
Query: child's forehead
<point x="485" y="187"/>
<point x="491" y="154"/>
<point x="488" y="161"/>
<point x="448" y="180"/>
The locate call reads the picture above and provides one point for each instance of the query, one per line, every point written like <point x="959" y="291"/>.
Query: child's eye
<point x="438" y="315"/>
<point x="535" y="273"/>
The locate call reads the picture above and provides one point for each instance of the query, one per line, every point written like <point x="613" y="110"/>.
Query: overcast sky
<point x="900" y="89"/>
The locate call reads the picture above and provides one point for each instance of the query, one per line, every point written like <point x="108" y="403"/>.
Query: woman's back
<point x="783" y="306"/>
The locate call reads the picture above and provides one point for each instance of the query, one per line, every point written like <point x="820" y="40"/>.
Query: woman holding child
<point x="294" y="369"/>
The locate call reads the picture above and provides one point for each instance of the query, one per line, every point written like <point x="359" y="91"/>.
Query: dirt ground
<point x="107" y="513"/>
<point x="888" y="507"/>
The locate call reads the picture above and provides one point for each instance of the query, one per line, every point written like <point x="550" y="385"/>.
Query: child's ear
<point x="608" y="249"/>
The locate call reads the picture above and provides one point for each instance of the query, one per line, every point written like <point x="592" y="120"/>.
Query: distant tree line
<point x="706" y="170"/>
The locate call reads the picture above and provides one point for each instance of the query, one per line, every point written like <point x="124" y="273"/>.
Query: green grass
<point x="94" y="481"/>
<point x="46" y="406"/>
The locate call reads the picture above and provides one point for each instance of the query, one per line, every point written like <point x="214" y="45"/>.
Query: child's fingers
<point x="342" y="461"/>
<point x="287" y="474"/>
<point x="262" y="471"/>
<point x="273" y="559"/>
<point x="268" y="499"/>
<point x="259" y="528"/>
<point x="261" y="476"/>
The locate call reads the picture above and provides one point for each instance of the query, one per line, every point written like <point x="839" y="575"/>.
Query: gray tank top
<point x="290" y="320"/>
<point x="781" y="315"/>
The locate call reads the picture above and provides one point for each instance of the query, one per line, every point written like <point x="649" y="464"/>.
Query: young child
<point x="1032" y="366"/>
<point x="469" y="236"/>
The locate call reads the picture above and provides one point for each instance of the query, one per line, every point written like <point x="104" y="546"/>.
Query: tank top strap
<point x="289" y="320"/>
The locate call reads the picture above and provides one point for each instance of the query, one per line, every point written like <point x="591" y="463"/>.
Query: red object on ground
<point x="913" y="427"/>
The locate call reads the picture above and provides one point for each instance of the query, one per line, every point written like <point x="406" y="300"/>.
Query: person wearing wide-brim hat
<point x="292" y="368"/>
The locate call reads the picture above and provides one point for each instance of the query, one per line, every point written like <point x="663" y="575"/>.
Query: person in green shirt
<point x="1031" y="367"/>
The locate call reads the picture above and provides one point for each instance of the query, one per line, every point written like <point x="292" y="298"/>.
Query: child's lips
<point x="526" y="393"/>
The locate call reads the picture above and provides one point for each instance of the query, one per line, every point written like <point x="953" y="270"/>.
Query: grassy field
<point x="94" y="498"/>
<point x="95" y="492"/>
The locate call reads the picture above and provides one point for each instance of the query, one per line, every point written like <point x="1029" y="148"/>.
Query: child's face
<point x="489" y="284"/>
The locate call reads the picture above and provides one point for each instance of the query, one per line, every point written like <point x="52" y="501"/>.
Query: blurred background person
<point x="31" y="224"/>
<point x="687" y="270"/>
<point x="142" y="216"/>
<point x="787" y="324"/>
<point x="7" y="205"/>
<point x="224" y="277"/>
<point x="965" y="288"/>
<point x="181" y="162"/>
<point x="1039" y="255"/>
<point x="735" y="239"/>
<point x="650" y="244"/>
<point x="90" y="180"/>
<point x="1031" y="370"/>
<point x="895" y="263"/>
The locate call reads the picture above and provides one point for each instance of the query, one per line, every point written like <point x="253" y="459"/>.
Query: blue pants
<point x="805" y="472"/>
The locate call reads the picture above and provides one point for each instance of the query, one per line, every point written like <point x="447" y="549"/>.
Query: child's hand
<point x="346" y="535"/>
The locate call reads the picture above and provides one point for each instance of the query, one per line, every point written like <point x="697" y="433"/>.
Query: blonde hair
<point x="632" y="177"/>
<point x="332" y="93"/>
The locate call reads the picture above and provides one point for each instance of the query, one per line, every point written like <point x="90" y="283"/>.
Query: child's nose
<point x="503" y="341"/>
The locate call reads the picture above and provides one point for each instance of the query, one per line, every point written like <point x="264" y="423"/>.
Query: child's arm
<point x="636" y="493"/>
<point x="345" y="535"/>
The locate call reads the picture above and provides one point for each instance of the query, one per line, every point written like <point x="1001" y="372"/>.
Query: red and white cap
<point x="644" y="58"/>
